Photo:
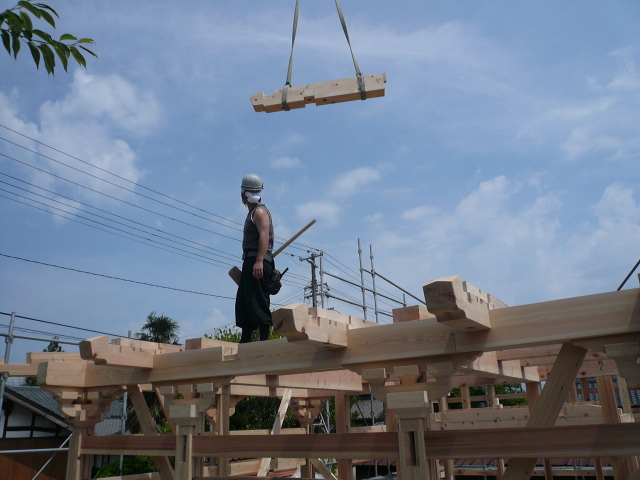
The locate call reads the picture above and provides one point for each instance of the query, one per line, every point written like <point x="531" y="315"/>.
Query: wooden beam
<point x="101" y="352"/>
<point x="548" y="406"/>
<point x="557" y="321"/>
<point x="277" y="426"/>
<point x="320" y="93"/>
<point x="587" y="441"/>
<point x="149" y="428"/>
<point x="408" y="314"/>
<point x="295" y="323"/>
<point x="459" y="304"/>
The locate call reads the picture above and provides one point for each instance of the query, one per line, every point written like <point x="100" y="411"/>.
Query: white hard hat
<point x="252" y="183"/>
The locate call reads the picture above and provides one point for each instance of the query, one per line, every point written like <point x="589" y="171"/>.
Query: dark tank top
<point x="251" y="235"/>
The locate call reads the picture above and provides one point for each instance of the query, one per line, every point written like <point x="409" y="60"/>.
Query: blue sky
<point x="506" y="150"/>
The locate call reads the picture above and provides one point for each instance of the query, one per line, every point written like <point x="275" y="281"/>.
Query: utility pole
<point x="364" y="298"/>
<point x="7" y="353"/>
<point x="375" y="296"/>
<point x="314" y="282"/>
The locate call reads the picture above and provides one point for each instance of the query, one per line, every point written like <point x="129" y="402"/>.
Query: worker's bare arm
<point x="261" y="220"/>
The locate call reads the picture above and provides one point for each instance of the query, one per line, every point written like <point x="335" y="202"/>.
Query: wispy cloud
<point x="285" y="162"/>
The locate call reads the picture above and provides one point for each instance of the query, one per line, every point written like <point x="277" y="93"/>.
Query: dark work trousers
<point x="252" y="301"/>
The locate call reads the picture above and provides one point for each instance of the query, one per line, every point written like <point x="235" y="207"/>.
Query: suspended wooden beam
<point x="321" y="93"/>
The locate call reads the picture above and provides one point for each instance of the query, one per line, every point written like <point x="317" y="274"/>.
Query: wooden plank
<point x="320" y="93"/>
<point x="229" y="348"/>
<point x="548" y="406"/>
<point x="322" y="469"/>
<point x="149" y="428"/>
<point x="590" y="369"/>
<point x="587" y="441"/>
<point x="277" y="426"/>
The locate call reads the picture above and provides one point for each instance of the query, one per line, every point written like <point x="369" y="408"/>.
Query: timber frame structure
<point x="464" y="338"/>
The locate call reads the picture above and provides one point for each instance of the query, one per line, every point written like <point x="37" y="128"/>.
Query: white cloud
<point x="348" y="183"/>
<point x="326" y="212"/>
<point x="88" y="123"/>
<point x="285" y="162"/>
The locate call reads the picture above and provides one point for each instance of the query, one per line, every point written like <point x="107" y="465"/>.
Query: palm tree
<point x="160" y="329"/>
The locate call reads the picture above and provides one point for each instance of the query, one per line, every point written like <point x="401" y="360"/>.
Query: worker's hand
<point x="257" y="269"/>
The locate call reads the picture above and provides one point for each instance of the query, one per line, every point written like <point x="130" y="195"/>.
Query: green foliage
<point x="160" y="329"/>
<point x="16" y="27"/>
<point x="52" y="347"/>
<point x="233" y="334"/>
<point x="511" y="388"/>
<point x="130" y="466"/>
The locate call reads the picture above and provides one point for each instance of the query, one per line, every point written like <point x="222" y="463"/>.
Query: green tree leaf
<point x="68" y="36"/>
<point x="78" y="56"/>
<point x="86" y="49"/>
<point x="48" y="18"/>
<point x="48" y="57"/>
<point x="26" y="21"/>
<point x="86" y="40"/>
<point x="35" y="53"/>
<point x="16" y="44"/>
<point x="6" y="41"/>
<point x="63" y="54"/>
<point x="42" y="5"/>
<point x="30" y="8"/>
<point x="27" y="34"/>
<point x="43" y="35"/>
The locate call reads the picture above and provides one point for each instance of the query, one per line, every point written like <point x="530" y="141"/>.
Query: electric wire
<point x="118" y="199"/>
<point x="108" y="219"/>
<point x="294" y="244"/>
<point x="234" y="257"/>
<point x="110" y="232"/>
<point x="60" y="324"/>
<point x="118" y="229"/>
<point x="116" y="278"/>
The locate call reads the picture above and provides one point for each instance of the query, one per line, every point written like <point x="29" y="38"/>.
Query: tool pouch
<point x="275" y="284"/>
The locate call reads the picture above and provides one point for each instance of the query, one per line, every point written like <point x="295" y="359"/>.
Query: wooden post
<point x="623" y="467"/>
<point x="548" y="406"/>
<point x="412" y="410"/>
<point x="584" y="386"/>
<point x="548" y="472"/>
<point x="466" y="397"/>
<point x="222" y="408"/>
<point x="491" y="396"/>
<point x="76" y="463"/>
<point x="573" y="393"/>
<point x="623" y="389"/>
<point x="598" y="468"/>
<point x="533" y="393"/>
<point x="343" y="425"/>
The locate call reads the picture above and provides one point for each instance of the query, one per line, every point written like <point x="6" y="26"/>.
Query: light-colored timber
<point x="410" y="365"/>
<point x="320" y="93"/>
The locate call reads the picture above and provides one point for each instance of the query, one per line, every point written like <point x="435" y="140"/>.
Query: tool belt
<point x="254" y="253"/>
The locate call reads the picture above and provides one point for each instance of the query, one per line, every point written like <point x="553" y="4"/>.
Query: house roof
<point x="43" y="403"/>
<point x="361" y="409"/>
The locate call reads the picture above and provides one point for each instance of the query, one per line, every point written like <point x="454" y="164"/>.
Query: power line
<point x="110" y="232"/>
<point x="234" y="257"/>
<point x="130" y="181"/>
<point x="61" y="324"/>
<point x="119" y="186"/>
<point x="118" y="229"/>
<point x="116" y="278"/>
<point x="118" y="199"/>
<point x="109" y="220"/>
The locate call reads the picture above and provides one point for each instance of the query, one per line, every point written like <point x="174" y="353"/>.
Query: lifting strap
<point x="360" y="78"/>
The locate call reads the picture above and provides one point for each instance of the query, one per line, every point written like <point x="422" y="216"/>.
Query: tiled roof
<point x="364" y="410"/>
<point x="111" y="423"/>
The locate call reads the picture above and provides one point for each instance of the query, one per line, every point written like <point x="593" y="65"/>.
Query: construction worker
<point x="252" y="299"/>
